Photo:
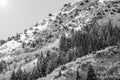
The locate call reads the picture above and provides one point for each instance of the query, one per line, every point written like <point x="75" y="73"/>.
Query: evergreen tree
<point x="52" y="63"/>
<point x="29" y="76"/>
<point x="25" y="75"/>
<point x="91" y="74"/>
<point x="13" y="76"/>
<point x="72" y="53"/>
<point x="42" y="65"/>
<point x="19" y="74"/>
<point x="35" y="73"/>
<point x="9" y="39"/>
<point x="63" y="57"/>
<point x="2" y="42"/>
<point x="68" y="44"/>
<point x="62" y="42"/>
<point x="3" y="65"/>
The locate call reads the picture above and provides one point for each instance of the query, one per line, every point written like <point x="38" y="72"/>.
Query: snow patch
<point x="9" y="46"/>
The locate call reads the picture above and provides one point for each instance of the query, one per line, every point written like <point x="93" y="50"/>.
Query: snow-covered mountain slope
<point x="72" y="16"/>
<point x="22" y="50"/>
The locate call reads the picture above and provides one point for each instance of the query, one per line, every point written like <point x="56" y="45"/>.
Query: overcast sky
<point x="17" y="15"/>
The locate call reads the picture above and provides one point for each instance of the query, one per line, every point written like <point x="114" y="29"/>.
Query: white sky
<point x="17" y="15"/>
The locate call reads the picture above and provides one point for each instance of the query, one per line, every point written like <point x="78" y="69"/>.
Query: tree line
<point x="91" y="38"/>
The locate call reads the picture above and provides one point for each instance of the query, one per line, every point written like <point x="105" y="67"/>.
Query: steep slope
<point x="22" y="50"/>
<point x="74" y="15"/>
<point x="106" y="64"/>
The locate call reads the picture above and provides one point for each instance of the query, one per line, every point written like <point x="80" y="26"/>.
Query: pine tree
<point x="71" y="55"/>
<point x="91" y="74"/>
<point x="68" y="44"/>
<point x="51" y="64"/>
<point x="19" y="74"/>
<point x="2" y="42"/>
<point x="39" y="63"/>
<point x="42" y="65"/>
<point x="2" y="65"/>
<point x="62" y="42"/>
<point x="25" y="75"/>
<point x="13" y="76"/>
<point x="35" y="72"/>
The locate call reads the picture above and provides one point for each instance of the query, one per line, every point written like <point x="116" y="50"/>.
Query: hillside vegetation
<point x="81" y="42"/>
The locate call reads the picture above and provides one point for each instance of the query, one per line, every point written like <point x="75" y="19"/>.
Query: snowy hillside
<point x="72" y="15"/>
<point x="83" y="28"/>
